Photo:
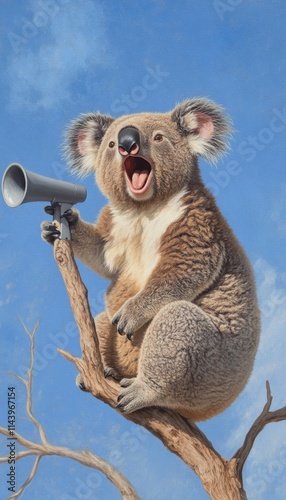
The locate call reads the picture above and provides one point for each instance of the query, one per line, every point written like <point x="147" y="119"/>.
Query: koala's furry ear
<point x="206" y="126"/>
<point x="82" y="140"/>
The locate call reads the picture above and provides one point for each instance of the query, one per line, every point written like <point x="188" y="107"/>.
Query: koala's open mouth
<point x="138" y="172"/>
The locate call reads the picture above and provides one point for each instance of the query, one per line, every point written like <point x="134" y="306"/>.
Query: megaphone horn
<point x="22" y="186"/>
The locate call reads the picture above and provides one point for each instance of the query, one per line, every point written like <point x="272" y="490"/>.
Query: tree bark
<point x="221" y="478"/>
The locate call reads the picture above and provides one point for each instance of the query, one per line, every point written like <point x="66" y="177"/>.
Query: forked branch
<point x="221" y="478"/>
<point x="265" y="417"/>
<point x="44" y="447"/>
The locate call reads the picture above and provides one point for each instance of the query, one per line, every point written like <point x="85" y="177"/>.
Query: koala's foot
<point x="126" y="382"/>
<point x="80" y="384"/>
<point x="111" y="372"/>
<point x="136" y="395"/>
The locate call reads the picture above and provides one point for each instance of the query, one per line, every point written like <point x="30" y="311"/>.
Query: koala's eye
<point x="158" y="138"/>
<point x="111" y="144"/>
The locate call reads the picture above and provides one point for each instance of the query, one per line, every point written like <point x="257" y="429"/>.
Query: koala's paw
<point x="79" y="382"/>
<point x="111" y="372"/>
<point x="126" y="382"/>
<point x="130" y="318"/>
<point x="72" y="216"/>
<point x="49" y="232"/>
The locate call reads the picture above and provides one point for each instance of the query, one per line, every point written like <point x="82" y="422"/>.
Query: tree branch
<point x="265" y="417"/>
<point x="222" y="479"/>
<point x="29" y="383"/>
<point x="45" y="448"/>
<point x="85" y="457"/>
<point x="28" y="480"/>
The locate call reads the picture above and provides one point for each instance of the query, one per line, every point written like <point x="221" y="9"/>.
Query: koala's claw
<point x="49" y="232"/>
<point x="126" y="382"/>
<point x="120" y="330"/>
<point x="110" y="372"/>
<point x="121" y="326"/>
<point x="115" y="320"/>
<point x="79" y="382"/>
<point x="131" y="316"/>
<point x="119" y="399"/>
<point x="71" y="215"/>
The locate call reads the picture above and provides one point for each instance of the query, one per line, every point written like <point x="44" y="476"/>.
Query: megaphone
<point x="22" y="186"/>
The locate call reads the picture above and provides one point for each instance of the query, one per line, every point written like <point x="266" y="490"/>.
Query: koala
<point x="182" y="323"/>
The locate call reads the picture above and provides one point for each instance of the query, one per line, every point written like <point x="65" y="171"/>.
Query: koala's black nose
<point x="128" y="141"/>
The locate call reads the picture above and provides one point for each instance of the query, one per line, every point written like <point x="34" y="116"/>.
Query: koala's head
<point x="147" y="156"/>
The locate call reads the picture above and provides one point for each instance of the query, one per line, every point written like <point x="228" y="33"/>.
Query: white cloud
<point x="270" y="359"/>
<point x="278" y="212"/>
<point x="7" y="294"/>
<point x="55" y="56"/>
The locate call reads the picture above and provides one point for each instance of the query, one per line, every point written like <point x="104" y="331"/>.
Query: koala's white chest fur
<point x="134" y="242"/>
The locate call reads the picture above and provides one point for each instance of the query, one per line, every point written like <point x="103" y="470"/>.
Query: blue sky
<point x="60" y="58"/>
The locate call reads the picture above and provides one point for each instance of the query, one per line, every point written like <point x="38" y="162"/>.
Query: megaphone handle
<point x="59" y="209"/>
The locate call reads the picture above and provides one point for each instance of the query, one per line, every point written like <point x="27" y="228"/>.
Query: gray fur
<point x="93" y="124"/>
<point x="182" y="324"/>
<point x="218" y="144"/>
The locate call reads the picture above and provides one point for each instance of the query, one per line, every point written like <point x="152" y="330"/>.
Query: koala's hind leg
<point x="106" y="334"/>
<point x="185" y="364"/>
<point x="119" y="356"/>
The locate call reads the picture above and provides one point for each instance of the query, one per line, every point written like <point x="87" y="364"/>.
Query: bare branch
<point x="45" y="448"/>
<point x="30" y="335"/>
<point x="28" y="480"/>
<point x="74" y="359"/>
<point x="85" y="457"/>
<point x="20" y="454"/>
<point x="17" y="377"/>
<point x="265" y="417"/>
<point x="29" y="385"/>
